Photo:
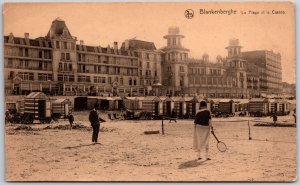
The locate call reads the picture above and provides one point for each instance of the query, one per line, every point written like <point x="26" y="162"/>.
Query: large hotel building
<point x="58" y="64"/>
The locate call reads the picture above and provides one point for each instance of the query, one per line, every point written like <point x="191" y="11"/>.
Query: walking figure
<point x="95" y="123"/>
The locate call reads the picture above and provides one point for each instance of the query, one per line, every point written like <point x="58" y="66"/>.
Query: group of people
<point x="202" y="128"/>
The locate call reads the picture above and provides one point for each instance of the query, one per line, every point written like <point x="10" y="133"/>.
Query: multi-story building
<point x="268" y="65"/>
<point x="174" y="64"/>
<point x="224" y="78"/>
<point x="56" y="64"/>
<point x="149" y="62"/>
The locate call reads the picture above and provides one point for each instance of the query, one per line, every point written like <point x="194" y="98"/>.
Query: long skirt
<point x="201" y="137"/>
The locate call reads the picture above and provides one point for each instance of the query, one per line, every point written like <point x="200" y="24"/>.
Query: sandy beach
<point x="127" y="154"/>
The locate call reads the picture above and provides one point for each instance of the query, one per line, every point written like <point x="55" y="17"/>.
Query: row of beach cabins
<point x="40" y="106"/>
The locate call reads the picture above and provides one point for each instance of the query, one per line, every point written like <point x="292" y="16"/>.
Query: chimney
<point x="26" y="35"/>
<point x="115" y="45"/>
<point x="81" y="42"/>
<point x="126" y="44"/>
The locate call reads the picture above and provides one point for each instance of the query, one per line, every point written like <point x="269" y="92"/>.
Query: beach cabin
<point x="258" y="105"/>
<point x="193" y="105"/>
<point x="168" y="105"/>
<point x="214" y="104"/>
<point x="227" y="106"/>
<point x="152" y="104"/>
<point x="37" y="105"/>
<point x="111" y="103"/>
<point x="80" y="103"/>
<point x="91" y="102"/>
<point x="279" y="106"/>
<point x="132" y="103"/>
<point x="241" y="105"/>
<point x="180" y="105"/>
<point x="61" y="107"/>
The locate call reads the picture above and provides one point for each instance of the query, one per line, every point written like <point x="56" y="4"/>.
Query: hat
<point x="203" y="104"/>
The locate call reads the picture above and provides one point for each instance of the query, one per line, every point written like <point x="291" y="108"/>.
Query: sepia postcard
<point x="150" y="92"/>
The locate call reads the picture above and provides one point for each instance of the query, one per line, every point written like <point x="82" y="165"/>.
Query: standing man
<point x="202" y="130"/>
<point x="71" y="119"/>
<point x="274" y="116"/>
<point x="95" y="123"/>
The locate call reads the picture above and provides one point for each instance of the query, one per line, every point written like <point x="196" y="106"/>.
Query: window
<point x="26" y="63"/>
<point x="44" y="77"/>
<point x="181" y="68"/>
<point x="72" y="46"/>
<point x="40" y="64"/>
<point x="134" y="82"/>
<point x="26" y="76"/>
<point x="155" y="73"/>
<point x="109" y="80"/>
<point x="121" y="81"/>
<point x="10" y="62"/>
<point x="26" y="52"/>
<point x="130" y="81"/>
<point x="147" y="55"/>
<point x="79" y="57"/>
<point x="46" y="65"/>
<point x="40" y="54"/>
<point x="67" y="56"/>
<point x="57" y="44"/>
<point x="60" y="66"/>
<point x="148" y="65"/>
<point x="62" y="56"/>
<point x="70" y="67"/>
<point x="65" y="45"/>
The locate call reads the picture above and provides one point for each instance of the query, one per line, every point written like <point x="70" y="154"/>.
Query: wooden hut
<point x="61" y="107"/>
<point x="80" y="103"/>
<point x="241" y="105"/>
<point x="279" y="106"/>
<point x="180" y="105"/>
<point x="226" y="106"/>
<point x="111" y="103"/>
<point x="168" y="105"/>
<point x="38" y="106"/>
<point x="152" y="104"/>
<point x="258" y="105"/>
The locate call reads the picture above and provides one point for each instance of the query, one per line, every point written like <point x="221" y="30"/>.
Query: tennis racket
<point x="220" y="145"/>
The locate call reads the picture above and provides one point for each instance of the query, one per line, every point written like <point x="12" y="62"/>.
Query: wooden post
<point x="162" y="125"/>
<point x="249" y="130"/>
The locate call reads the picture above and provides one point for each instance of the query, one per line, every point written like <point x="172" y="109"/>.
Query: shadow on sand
<point x="79" y="146"/>
<point x="191" y="164"/>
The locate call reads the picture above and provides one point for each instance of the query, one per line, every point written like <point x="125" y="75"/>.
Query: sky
<point x="103" y="23"/>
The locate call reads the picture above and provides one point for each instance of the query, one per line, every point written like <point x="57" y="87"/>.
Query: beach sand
<point x="127" y="154"/>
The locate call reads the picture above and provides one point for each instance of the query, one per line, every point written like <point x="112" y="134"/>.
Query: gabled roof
<point x="61" y="100"/>
<point x="258" y="100"/>
<point x="59" y="27"/>
<point x="37" y="95"/>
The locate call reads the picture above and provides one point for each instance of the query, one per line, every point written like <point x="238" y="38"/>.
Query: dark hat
<point x="203" y="104"/>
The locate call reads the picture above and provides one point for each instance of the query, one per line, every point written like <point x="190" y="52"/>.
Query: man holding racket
<point x="202" y="130"/>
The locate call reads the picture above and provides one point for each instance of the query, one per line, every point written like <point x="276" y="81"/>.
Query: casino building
<point x="58" y="64"/>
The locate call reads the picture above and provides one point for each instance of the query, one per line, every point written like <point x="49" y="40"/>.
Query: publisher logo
<point x="189" y="13"/>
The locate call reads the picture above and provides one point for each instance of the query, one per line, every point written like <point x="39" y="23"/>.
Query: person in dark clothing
<point x="71" y="119"/>
<point x="173" y="116"/>
<point x="274" y="116"/>
<point x="95" y="123"/>
<point x="202" y="130"/>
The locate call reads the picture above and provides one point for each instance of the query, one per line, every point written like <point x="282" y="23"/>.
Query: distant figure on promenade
<point x="173" y="116"/>
<point x="295" y="115"/>
<point x="71" y="119"/>
<point x="95" y="123"/>
<point x="274" y="116"/>
<point x="202" y="130"/>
